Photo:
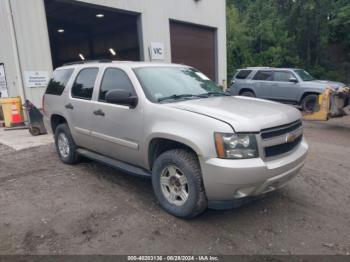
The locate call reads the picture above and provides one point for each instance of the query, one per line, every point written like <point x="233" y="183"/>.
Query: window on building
<point x="83" y="86"/>
<point x="263" y="75"/>
<point x="115" y="79"/>
<point x="59" y="81"/>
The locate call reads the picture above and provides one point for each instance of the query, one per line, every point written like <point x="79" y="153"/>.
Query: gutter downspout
<point x="21" y="89"/>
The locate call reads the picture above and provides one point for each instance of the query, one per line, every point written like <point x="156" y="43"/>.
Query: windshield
<point x="174" y="83"/>
<point x="305" y="76"/>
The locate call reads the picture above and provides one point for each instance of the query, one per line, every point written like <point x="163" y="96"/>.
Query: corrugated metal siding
<point x="33" y="41"/>
<point x="7" y="51"/>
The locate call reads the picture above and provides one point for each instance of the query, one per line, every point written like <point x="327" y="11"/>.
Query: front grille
<point x="281" y="130"/>
<point x="282" y="148"/>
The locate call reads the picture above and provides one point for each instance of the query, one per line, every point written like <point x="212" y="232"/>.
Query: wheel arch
<point x="160" y="144"/>
<point x="56" y="120"/>
<point x="246" y="89"/>
<point x="306" y="93"/>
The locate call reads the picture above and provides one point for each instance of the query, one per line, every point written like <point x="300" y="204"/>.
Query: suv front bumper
<point x="228" y="179"/>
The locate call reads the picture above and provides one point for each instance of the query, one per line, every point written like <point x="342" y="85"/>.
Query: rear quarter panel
<point x="54" y="105"/>
<point x="241" y="84"/>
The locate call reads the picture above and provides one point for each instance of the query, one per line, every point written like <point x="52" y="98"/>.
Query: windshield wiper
<point x="205" y="95"/>
<point x="213" y="94"/>
<point x="176" y="97"/>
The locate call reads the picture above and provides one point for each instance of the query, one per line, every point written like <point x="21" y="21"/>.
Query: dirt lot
<point x="50" y="208"/>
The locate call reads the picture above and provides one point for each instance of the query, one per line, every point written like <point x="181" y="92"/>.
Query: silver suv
<point x="200" y="146"/>
<point x="287" y="85"/>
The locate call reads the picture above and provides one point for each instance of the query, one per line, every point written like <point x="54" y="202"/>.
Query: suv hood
<point x="244" y="114"/>
<point x="325" y="83"/>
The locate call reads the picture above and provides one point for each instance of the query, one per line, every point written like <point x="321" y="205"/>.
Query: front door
<point x="282" y="88"/>
<point x="117" y="129"/>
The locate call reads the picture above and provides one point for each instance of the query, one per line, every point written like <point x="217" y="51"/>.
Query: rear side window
<point x="243" y="74"/>
<point x="263" y="75"/>
<point x="114" y="78"/>
<point x="83" y="86"/>
<point x="58" y="82"/>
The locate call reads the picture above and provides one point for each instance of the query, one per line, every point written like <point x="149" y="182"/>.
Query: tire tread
<point x="74" y="157"/>
<point x="192" y="163"/>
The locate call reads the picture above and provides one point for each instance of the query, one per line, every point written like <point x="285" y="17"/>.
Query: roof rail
<point x="88" y="61"/>
<point x="259" y="67"/>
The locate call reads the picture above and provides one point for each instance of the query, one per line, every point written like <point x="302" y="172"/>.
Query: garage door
<point x="81" y="31"/>
<point x="193" y="45"/>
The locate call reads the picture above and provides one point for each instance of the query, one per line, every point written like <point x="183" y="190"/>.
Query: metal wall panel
<point x="33" y="41"/>
<point x="8" y="51"/>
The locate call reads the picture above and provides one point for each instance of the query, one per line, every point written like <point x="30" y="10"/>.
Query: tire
<point x="309" y="103"/>
<point x="68" y="150"/>
<point x="185" y="164"/>
<point x="248" y="94"/>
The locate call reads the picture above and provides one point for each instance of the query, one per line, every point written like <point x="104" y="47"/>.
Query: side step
<point x="127" y="168"/>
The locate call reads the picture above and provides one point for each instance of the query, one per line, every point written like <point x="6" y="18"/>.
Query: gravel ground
<point x="47" y="207"/>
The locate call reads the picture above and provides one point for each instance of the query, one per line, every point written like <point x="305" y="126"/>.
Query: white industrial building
<point x="37" y="36"/>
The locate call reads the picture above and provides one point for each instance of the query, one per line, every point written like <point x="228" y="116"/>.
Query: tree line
<point x="309" y="34"/>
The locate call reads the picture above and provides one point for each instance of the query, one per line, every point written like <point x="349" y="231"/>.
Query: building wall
<point x="26" y="46"/>
<point x="8" y="54"/>
<point x="33" y="41"/>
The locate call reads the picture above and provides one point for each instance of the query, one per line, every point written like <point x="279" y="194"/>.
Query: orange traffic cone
<point x="16" y="116"/>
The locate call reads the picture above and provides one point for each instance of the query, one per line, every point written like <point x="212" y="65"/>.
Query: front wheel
<point x="309" y="102"/>
<point x="178" y="184"/>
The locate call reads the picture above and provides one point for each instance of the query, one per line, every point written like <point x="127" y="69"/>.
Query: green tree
<point x="311" y="34"/>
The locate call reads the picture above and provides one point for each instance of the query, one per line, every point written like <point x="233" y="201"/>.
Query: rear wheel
<point x="65" y="146"/>
<point x="248" y="93"/>
<point x="178" y="184"/>
<point x="309" y="102"/>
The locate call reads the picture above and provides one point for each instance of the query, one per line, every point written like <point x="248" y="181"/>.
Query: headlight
<point x="236" y="146"/>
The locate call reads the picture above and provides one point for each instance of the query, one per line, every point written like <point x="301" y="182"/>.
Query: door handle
<point x="99" y="112"/>
<point x="69" y="106"/>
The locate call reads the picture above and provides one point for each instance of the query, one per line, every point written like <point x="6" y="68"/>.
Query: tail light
<point x="43" y="103"/>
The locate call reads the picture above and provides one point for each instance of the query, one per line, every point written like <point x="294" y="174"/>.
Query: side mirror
<point x="293" y="80"/>
<point x="121" y="97"/>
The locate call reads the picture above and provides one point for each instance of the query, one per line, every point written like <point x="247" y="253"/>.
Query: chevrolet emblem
<point x="291" y="137"/>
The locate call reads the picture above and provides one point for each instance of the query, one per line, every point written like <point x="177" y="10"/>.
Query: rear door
<point x="117" y="129"/>
<point x="79" y="107"/>
<point x="261" y="82"/>
<point x="282" y="87"/>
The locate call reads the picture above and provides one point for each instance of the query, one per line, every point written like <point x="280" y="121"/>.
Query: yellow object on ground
<point x="330" y="105"/>
<point x="12" y="110"/>
<point x="322" y="110"/>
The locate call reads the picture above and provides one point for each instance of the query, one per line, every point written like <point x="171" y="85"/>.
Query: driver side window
<point x="283" y="76"/>
<point x="114" y="78"/>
